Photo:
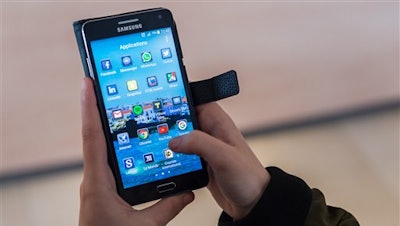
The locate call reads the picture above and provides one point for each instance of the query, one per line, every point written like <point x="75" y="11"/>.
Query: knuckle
<point x="193" y="137"/>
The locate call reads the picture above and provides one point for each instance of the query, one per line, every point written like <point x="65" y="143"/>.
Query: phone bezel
<point x="106" y="27"/>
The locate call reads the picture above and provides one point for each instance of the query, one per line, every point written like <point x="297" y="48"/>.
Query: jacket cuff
<point x="286" y="201"/>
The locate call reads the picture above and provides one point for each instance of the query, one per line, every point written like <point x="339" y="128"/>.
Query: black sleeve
<point x="286" y="201"/>
<point x="323" y="215"/>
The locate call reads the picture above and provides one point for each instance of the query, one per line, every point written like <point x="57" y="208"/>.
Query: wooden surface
<point x="294" y="61"/>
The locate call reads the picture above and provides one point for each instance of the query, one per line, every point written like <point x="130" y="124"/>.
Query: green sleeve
<point x="322" y="215"/>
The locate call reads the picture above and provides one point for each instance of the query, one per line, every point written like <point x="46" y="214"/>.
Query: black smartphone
<point x="144" y="100"/>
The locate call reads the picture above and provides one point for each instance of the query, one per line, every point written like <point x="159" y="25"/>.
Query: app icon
<point x="129" y="163"/>
<point x="168" y="153"/>
<point x="166" y="53"/>
<point x="176" y="100"/>
<point x="112" y="89"/>
<point x="146" y="57"/>
<point x="106" y="65"/>
<point x="123" y="138"/>
<point x="132" y="85"/>
<point x="171" y="77"/>
<point x="152" y="81"/>
<point x="181" y="124"/>
<point x="126" y="61"/>
<point x="143" y="133"/>
<point x="148" y="158"/>
<point x="138" y="109"/>
<point x="162" y="128"/>
<point x="157" y="105"/>
<point x="117" y="114"/>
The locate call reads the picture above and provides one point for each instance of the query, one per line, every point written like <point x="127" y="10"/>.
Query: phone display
<point x="144" y="101"/>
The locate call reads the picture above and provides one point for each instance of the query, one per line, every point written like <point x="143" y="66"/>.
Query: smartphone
<point x="144" y="100"/>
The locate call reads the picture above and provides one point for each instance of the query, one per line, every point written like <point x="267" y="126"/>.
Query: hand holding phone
<point x="237" y="178"/>
<point x="100" y="203"/>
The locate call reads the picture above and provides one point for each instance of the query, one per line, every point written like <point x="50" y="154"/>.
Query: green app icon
<point x="146" y="57"/>
<point x="138" y="109"/>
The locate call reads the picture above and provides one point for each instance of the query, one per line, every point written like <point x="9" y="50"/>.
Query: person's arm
<point x="100" y="204"/>
<point x="247" y="193"/>
<point x="286" y="201"/>
<point x="289" y="201"/>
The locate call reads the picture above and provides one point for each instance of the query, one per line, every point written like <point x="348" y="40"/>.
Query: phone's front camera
<point x="160" y="16"/>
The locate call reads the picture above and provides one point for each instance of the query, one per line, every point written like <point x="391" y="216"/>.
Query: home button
<point x="166" y="187"/>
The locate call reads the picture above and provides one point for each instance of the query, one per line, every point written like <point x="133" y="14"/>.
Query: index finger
<point x="214" y="121"/>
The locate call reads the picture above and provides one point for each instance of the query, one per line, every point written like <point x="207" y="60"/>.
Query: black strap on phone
<point x="215" y="88"/>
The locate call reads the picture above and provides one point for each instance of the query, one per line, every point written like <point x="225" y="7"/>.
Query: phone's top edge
<point x="83" y="21"/>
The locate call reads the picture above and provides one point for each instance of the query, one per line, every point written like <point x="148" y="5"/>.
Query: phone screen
<point x="145" y="103"/>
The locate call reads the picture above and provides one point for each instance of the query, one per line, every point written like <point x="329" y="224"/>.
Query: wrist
<point x="255" y="194"/>
<point x="285" y="201"/>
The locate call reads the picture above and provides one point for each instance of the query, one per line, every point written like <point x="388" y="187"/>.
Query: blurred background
<point x="319" y="98"/>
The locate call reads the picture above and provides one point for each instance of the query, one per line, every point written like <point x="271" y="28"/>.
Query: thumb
<point x="166" y="209"/>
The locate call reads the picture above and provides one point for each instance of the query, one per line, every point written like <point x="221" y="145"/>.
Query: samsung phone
<point x="144" y="100"/>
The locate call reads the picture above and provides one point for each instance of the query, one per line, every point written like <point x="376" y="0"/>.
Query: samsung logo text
<point x="129" y="27"/>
